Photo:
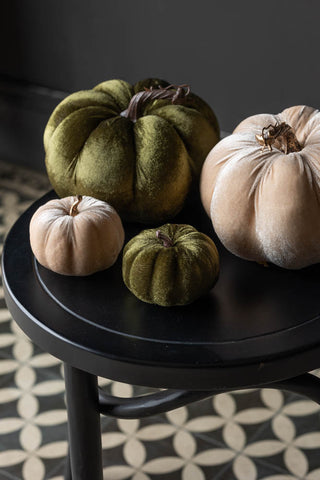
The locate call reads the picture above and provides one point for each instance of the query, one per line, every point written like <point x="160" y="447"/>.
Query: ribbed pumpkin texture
<point x="141" y="158"/>
<point x="265" y="204"/>
<point x="76" y="237"/>
<point x="170" y="265"/>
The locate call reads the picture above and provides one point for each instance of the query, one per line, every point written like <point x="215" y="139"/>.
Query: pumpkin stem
<point x="74" y="208"/>
<point x="176" y="93"/>
<point x="166" y="241"/>
<point x="281" y="135"/>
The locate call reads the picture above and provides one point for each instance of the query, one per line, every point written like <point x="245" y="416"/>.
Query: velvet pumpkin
<point x="137" y="147"/>
<point x="261" y="187"/>
<point x="170" y="265"/>
<point x="76" y="235"/>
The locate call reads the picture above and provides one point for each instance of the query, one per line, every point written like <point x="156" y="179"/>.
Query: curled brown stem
<point x="74" y="207"/>
<point x="175" y="93"/>
<point x="166" y="241"/>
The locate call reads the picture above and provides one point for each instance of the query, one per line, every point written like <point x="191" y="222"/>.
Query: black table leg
<point x="83" y="424"/>
<point x="67" y="468"/>
<point x="85" y="403"/>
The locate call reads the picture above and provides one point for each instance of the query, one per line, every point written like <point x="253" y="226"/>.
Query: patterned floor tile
<point x="246" y="435"/>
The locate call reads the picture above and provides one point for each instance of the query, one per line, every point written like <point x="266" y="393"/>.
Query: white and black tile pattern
<point x="249" y="435"/>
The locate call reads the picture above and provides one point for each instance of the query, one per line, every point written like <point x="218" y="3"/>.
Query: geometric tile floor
<point x="257" y="434"/>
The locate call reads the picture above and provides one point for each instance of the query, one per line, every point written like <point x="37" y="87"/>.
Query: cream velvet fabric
<point x="265" y="205"/>
<point x="76" y="245"/>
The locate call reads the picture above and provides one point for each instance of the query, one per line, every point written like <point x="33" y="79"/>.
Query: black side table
<point x="259" y="327"/>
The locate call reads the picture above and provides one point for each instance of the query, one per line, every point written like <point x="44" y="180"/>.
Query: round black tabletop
<point x="257" y="325"/>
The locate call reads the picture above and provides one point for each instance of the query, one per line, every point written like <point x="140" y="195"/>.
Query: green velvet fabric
<point x="144" y="169"/>
<point x="174" y="275"/>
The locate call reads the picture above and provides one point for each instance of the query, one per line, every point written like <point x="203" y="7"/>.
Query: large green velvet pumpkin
<point x="170" y="265"/>
<point x="141" y="158"/>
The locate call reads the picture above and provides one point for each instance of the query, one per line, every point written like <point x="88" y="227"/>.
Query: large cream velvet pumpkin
<point x="261" y="188"/>
<point x="76" y="235"/>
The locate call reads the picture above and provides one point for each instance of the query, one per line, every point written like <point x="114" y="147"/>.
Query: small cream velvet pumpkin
<point x="76" y="235"/>
<point x="261" y="188"/>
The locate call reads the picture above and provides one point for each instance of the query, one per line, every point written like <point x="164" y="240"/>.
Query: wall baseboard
<point x="24" y="111"/>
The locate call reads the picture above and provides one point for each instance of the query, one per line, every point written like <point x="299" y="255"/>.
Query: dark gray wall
<point x="243" y="57"/>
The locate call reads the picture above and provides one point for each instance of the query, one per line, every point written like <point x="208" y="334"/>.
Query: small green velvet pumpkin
<point x="136" y="147"/>
<point x="170" y="265"/>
